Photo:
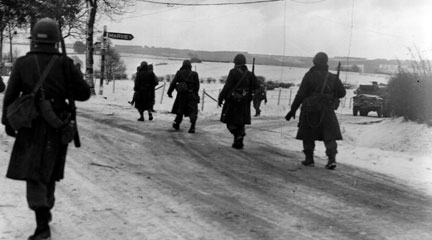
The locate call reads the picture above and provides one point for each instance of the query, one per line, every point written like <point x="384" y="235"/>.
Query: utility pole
<point x="103" y="49"/>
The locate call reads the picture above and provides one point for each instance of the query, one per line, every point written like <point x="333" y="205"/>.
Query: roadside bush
<point x="410" y="92"/>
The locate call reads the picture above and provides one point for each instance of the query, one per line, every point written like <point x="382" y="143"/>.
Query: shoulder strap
<point x="325" y="83"/>
<point x="45" y="72"/>
<point x="241" y="80"/>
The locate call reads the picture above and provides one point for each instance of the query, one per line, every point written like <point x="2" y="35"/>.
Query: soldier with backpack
<point x="236" y="97"/>
<point x="318" y="95"/>
<point x="39" y="152"/>
<point x="186" y="83"/>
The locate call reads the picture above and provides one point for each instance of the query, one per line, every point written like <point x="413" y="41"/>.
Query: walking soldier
<point x="186" y="83"/>
<point x="39" y="152"/>
<point x="237" y="94"/>
<point x="145" y="82"/>
<point x="319" y="91"/>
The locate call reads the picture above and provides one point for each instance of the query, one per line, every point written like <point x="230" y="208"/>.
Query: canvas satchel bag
<point x="182" y="87"/>
<point x="21" y="112"/>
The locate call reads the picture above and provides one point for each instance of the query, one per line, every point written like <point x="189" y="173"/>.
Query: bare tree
<point x="108" y="8"/>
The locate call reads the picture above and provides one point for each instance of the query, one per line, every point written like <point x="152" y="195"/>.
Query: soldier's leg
<point x="177" y="121"/>
<point x="150" y="114"/>
<point x="308" y="149"/>
<point x="193" y="116"/>
<point x="40" y="198"/>
<point x="238" y="132"/>
<point x="331" y="151"/>
<point x="141" y="113"/>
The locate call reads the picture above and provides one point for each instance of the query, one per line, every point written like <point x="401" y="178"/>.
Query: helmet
<point x="143" y="65"/>
<point x="187" y="63"/>
<point x="46" y="30"/>
<point x="320" y="58"/>
<point x="240" y="59"/>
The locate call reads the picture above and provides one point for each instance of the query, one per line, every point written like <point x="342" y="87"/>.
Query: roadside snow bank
<point x="393" y="135"/>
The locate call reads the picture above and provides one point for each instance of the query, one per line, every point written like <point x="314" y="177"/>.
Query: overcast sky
<point x="380" y="28"/>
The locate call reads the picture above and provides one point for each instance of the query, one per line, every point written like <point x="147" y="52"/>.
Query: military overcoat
<point x="38" y="153"/>
<point x="145" y="83"/>
<point x="319" y="126"/>
<point x="234" y="112"/>
<point x="186" y="102"/>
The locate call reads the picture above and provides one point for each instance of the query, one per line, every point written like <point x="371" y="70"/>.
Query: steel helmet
<point x="320" y="58"/>
<point x="46" y="30"/>
<point x="239" y="59"/>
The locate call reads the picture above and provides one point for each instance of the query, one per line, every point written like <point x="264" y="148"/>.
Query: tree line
<point x="76" y="18"/>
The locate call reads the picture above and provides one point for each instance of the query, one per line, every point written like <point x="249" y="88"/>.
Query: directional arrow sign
<point x="120" y="36"/>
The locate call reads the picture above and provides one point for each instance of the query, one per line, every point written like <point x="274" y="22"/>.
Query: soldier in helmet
<point x="38" y="156"/>
<point x="186" y="83"/>
<point x="319" y="87"/>
<point x="145" y="82"/>
<point x="237" y="95"/>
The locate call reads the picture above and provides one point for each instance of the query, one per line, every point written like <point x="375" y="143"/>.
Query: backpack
<point x="182" y="87"/>
<point x="21" y="112"/>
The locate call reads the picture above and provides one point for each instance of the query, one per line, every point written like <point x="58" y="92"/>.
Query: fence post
<point x="217" y="102"/>
<point x="202" y="100"/>
<point x="280" y="92"/>
<point x="289" y="103"/>
<point x="350" y="102"/>
<point x="163" y="91"/>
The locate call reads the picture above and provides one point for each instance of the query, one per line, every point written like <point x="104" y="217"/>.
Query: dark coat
<point x="37" y="153"/>
<point x="145" y="82"/>
<point x="185" y="103"/>
<point x="312" y="125"/>
<point x="233" y="112"/>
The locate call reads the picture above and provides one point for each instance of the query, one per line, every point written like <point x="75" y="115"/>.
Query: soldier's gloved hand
<point x="265" y="101"/>
<point x="291" y="114"/>
<point x="169" y="95"/>
<point x="220" y="102"/>
<point x="10" y="131"/>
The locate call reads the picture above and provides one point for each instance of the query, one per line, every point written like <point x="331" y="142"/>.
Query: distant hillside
<point x="365" y="65"/>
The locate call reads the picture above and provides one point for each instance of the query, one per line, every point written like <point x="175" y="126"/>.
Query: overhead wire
<point x="209" y="4"/>
<point x="350" y="39"/>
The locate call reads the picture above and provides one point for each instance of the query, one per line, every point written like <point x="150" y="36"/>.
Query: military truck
<point x="370" y="98"/>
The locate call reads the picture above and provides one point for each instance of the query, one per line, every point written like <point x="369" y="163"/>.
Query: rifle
<point x="71" y="100"/>
<point x="253" y="65"/>
<point x="336" y="101"/>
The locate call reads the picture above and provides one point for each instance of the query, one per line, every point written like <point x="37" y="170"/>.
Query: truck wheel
<point x="379" y="112"/>
<point x="355" y="111"/>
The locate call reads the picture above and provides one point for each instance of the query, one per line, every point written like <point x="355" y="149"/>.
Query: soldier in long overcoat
<point x="145" y="82"/>
<point x="186" y="83"/>
<point x="38" y="156"/>
<point x="318" y="125"/>
<point x="237" y="95"/>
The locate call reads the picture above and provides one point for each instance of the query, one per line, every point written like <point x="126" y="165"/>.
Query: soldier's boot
<point x="331" y="164"/>
<point x="141" y="119"/>
<point x="42" y="232"/>
<point x="192" y="128"/>
<point x="176" y="125"/>
<point x="309" y="160"/>
<point x="150" y="115"/>
<point x="238" y="141"/>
